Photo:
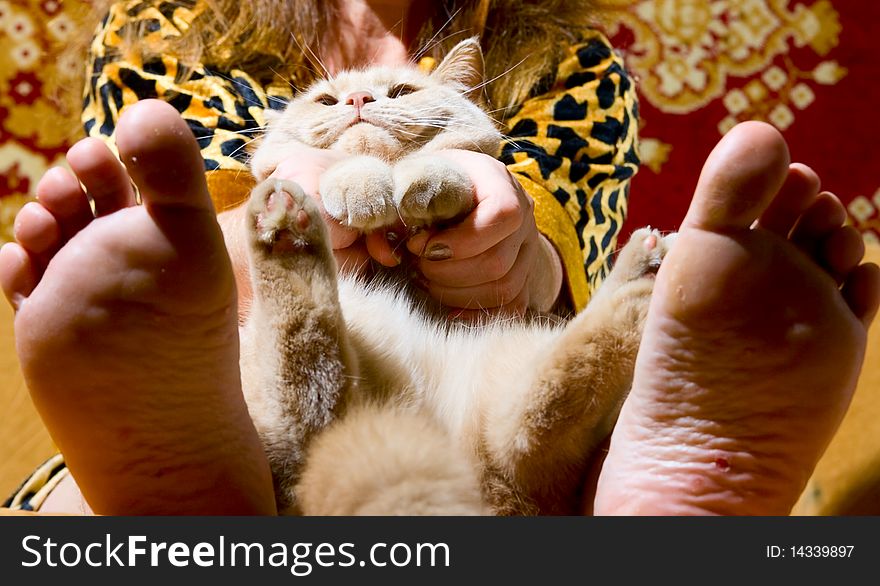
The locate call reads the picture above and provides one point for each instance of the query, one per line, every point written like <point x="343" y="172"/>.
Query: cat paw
<point x="283" y="219"/>
<point x="431" y="189"/>
<point x="642" y="255"/>
<point x="357" y="192"/>
<point x="631" y="281"/>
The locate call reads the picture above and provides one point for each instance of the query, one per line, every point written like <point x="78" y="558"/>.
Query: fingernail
<point x="438" y="252"/>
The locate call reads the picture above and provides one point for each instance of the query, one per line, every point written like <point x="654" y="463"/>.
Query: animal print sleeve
<point x="223" y="109"/>
<point x="574" y="149"/>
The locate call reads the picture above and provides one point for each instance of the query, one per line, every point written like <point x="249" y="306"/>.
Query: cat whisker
<point x="246" y="131"/>
<point x="497" y="77"/>
<point x="288" y="81"/>
<point x="308" y="50"/>
<point x="432" y="42"/>
<point x="236" y="151"/>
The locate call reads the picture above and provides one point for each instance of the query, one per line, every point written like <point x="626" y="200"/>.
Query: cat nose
<point x="358" y="99"/>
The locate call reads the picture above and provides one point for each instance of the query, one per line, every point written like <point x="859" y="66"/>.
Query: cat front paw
<point x="358" y="192"/>
<point x="429" y="189"/>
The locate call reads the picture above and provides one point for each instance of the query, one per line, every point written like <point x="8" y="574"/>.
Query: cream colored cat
<point x="366" y="401"/>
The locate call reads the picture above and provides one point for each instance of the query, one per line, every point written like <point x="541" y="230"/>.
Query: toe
<point x="796" y="194"/>
<point x="823" y="216"/>
<point x="841" y="252"/>
<point x="740" y="179"/>
<point x="104" y="177"/>
<point x="18" y="275"/>
<point x="861" y="290"/>
<point x="60" y="193"/>
<point x="162" y="156"/>
<point x="36" y="229"/>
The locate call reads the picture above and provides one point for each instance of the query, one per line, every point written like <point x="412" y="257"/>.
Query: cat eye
<point x="326" y="100"/>
<point x="401" y="89"/>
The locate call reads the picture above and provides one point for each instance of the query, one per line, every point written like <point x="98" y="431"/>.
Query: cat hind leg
<point x="296" y="362"/>
<point x="537" y="443"/>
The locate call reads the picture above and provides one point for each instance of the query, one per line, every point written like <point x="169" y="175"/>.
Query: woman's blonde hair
<point x="523" y="40"/>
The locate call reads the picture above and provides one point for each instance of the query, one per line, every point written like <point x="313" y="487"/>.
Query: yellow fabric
<point x="229" y="189"/>
<point x="552" y="220"/>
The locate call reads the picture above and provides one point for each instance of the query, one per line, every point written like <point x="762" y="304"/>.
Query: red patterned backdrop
<point x="808" y="66"/>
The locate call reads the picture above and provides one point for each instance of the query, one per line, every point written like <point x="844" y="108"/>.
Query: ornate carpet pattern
<point x="38" y="121"/>
<point x="810" y="67"/>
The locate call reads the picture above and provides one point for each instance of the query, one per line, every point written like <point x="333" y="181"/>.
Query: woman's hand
<point x="495" y="259"/>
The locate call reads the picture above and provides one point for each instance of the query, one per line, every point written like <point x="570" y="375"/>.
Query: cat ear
<point x="463" y="67"/>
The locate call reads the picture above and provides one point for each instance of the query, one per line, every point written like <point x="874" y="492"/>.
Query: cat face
<point x="389" y="112"/>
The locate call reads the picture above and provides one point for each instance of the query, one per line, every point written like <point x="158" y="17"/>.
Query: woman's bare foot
<point x="126" y="327"/>
<point x="753" y="343"/>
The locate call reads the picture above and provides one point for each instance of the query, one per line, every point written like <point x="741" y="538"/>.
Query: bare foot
<point x="126" y="327"/>
<point x="752" y="347"/>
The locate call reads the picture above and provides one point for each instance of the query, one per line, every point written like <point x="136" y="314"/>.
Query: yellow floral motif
<point x="865" y="216"/>
<point x="36" y="124"/>
<point x="686" y="50"/>
<point x="654" y="153"/>
<point x="9" y="206"/>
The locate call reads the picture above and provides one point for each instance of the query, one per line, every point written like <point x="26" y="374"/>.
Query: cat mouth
<point x="361" y="120"/>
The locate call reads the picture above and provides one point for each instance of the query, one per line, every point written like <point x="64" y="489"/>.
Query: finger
<point x="380" y="249"/>
<point x="304" y="164"/>
<point x="493" y="220"/>
<point x="353" y="259"/>
<point x="495" y="294"/>
<point x="340" y="236"/>
<point x="484" y="268"/>
<point x="418" y="242"/>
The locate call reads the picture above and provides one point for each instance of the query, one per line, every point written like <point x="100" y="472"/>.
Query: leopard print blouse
<point x="573" y="146"/>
